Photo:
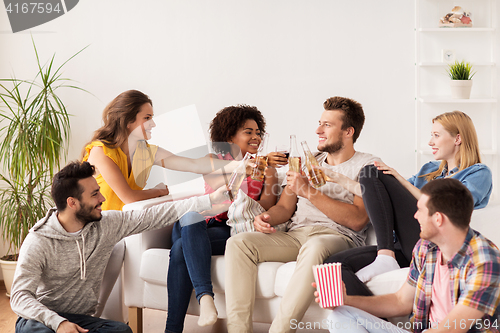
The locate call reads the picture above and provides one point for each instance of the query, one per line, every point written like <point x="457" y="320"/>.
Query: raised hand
<point x="220" y="195"/>
<point x="275" y="159"/>
<point x="298" y="183"/>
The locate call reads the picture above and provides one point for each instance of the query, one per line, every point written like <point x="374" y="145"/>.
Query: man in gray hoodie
<point x="62" y="260"/>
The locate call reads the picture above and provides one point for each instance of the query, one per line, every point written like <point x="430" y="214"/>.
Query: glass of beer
<point x="316" y="176"/>
<point x="261" y="160"/>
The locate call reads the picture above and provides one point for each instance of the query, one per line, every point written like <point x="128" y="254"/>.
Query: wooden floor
<point x="154" y="321"/>
<point x="7" y="317"/>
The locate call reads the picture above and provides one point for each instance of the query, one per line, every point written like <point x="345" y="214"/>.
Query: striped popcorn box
<point x="328" y="279"/>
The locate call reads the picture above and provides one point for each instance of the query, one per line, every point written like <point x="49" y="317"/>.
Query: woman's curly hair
<point x="228" y="121"/>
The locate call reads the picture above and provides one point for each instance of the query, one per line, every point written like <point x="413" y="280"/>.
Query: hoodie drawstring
<point x="81" y="252"/>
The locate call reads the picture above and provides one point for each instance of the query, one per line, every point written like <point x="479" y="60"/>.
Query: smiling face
<point x="141" y="128"/>
<point x="428" y="229"/>
<point x="90" y="201"/>
<point x="444" y="145"/>
<point x="247" y="138"/>
<point x="330" y="133"/>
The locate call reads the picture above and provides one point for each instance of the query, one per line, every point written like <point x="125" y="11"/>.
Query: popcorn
<point x="328" y="279"/>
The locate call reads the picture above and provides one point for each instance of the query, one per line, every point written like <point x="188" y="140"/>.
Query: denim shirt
<point x="477" y="178"/>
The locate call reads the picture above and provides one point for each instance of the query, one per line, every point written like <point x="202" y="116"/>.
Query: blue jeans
<point x="93" y="324"/>
<point x="193" y="244"/>
<point x="347" y="319"/>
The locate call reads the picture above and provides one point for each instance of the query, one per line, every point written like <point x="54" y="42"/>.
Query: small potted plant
<point x="461" y="75"/>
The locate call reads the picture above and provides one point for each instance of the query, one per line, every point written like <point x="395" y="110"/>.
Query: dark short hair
<point x="65" y="182"/>
<point x="451" y="198"/>
<point x="353" y="113"/>
<point x="228" y="121"/>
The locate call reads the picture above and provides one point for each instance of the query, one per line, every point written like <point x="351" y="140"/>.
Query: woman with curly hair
<point x="234" y="131"/>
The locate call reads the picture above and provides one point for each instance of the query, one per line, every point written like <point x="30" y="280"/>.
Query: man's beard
<point x="334" y="147"/>
<point x="84" y="214"/>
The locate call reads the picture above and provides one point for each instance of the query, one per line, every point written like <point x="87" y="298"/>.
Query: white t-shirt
<point x="308" y="215"/>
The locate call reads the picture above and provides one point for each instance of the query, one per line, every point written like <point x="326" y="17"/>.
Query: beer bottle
<point x="294" y="160"/>
<point x="237" y="177"/>
<point x="261" y="159"/>
<point x="316" y="176"/>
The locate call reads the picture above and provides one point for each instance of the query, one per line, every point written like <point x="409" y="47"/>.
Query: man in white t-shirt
<point x="322" y="221"/>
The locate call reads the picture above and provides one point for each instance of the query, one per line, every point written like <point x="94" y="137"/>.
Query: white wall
<point x="284" y="56"/>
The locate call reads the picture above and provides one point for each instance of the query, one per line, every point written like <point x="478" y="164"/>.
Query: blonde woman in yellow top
<point x="123" y="161"/>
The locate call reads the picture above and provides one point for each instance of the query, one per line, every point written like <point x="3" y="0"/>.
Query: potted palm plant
<point x="461" y="75"/>
<point x="35" y="128"/>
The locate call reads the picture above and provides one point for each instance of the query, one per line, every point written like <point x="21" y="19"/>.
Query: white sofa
<point x="146" y="263"/>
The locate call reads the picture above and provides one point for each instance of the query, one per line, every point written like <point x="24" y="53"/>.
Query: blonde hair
<point x="457" y="122"/>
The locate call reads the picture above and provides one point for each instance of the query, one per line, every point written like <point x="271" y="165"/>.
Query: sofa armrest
<point x="135" y="247"/>
<point x="137" y="244"/>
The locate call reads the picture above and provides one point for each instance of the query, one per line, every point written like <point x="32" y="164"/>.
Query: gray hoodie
<point x="62" y="272"/>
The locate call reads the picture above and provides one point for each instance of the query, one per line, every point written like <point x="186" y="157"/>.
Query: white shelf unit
<point x="432" y="93"/>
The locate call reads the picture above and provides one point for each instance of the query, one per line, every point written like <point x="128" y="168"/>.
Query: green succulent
<point x="460" y="71"/>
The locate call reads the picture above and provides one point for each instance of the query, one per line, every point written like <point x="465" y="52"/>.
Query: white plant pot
<point x="8" y="269"/>
<point x="460" y="89"/>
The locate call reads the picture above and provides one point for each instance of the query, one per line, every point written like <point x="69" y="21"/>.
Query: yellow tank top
<point x="142" y="163"/>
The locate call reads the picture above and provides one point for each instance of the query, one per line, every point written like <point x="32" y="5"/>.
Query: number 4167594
<point x="33" y="7"/>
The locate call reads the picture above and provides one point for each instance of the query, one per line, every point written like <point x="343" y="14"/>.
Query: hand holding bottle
<point x="237" y="177"/>
<point x="316" y="176"/>
<point x="298" y="183"/>
<point x="219" y="196"/>
<point x="334" y="177"/>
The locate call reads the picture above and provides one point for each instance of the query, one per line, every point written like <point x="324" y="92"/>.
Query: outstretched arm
<point x="204" y="165"/>
<point x="397" y="304"/>
<point x="115" y="179"/>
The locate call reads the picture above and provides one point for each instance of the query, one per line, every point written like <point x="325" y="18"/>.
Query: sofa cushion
<point x="283" y="275"/>
<point x="389" y="282"/>
<point x="154" y="269"/>
<point x="154" y="266"/>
